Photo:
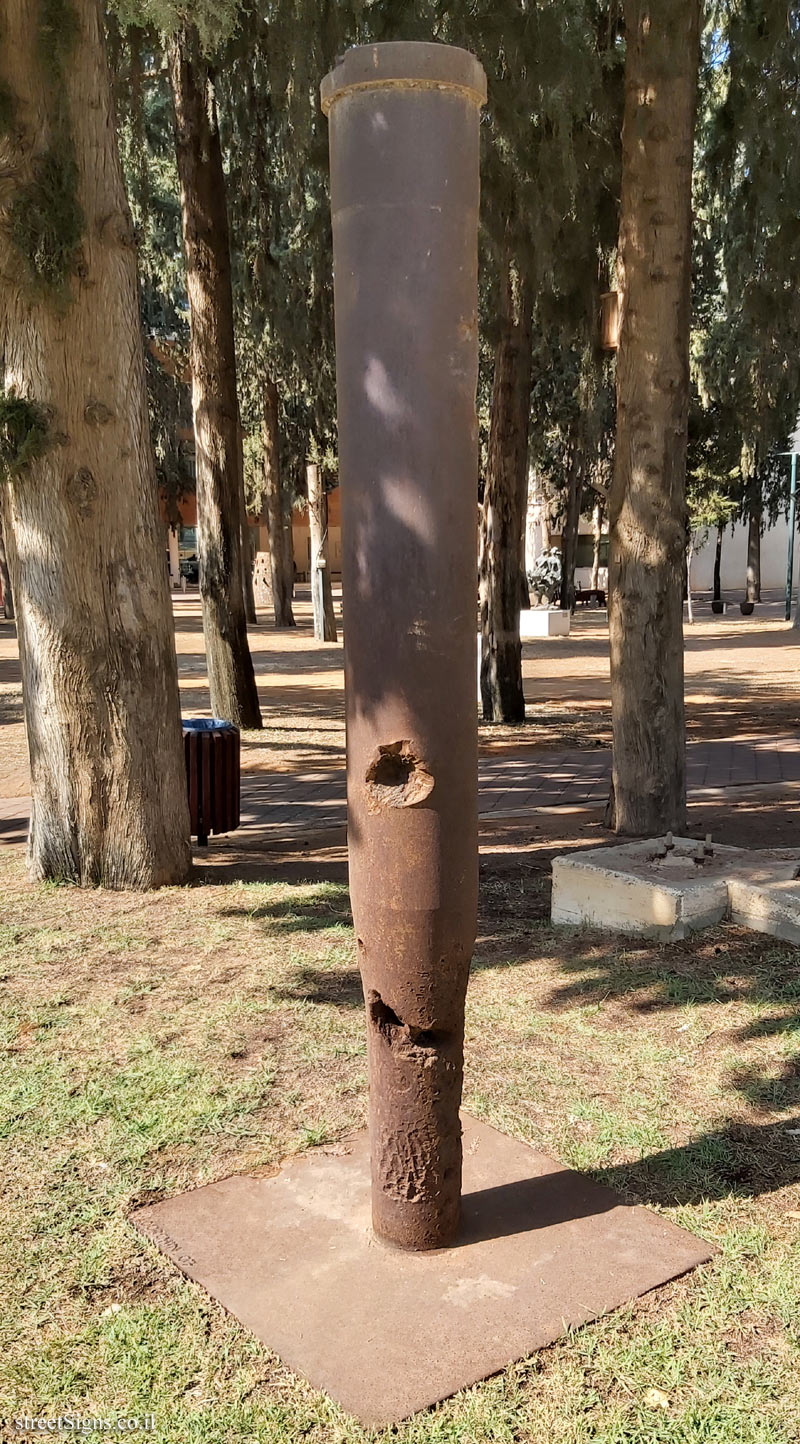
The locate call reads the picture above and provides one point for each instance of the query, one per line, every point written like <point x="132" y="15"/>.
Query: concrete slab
<point x="661" y="888"/>
<point x="387" y="1333"/>
<point x="629" y="889"/>
<point x="767" y="907"/>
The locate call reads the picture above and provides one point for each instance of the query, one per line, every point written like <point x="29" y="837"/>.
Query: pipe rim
<point x="405" y="65"/>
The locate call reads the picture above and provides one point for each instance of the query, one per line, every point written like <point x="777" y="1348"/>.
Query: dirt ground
<point x="742" y="678"/>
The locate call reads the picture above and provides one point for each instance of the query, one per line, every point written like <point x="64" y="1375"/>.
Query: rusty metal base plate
<point x="387" y="1333"/>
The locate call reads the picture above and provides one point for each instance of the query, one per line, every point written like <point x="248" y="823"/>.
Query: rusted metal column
<point x="405" y="187"/>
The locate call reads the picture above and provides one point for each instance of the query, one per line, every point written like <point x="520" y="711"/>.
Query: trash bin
<point x="211" y="751"/>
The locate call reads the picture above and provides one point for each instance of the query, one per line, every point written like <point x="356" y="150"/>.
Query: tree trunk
<point x="503" y="511"/>
<point x="79" y="499"/>
<point x="572" y="520"/>
<point x="248" y="588"/>
<point x="689" y="602"/>
<point x="718" y="566"/>
<point x="597" y="537"/>
<point x="5" y="580"/>
<point x="647" y="503"/>
<point x="547" y="538"/>
<point x="321" y="594"/>
<point x="280" y="557"/>
<point x="753" y="587"/>
<point x="522" y="507"/>
<point x="288" y="546"/>
<point x="213" y="365"/>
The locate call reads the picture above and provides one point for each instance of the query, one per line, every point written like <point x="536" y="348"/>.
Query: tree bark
<point x="5" y="579"/>
<point x="572" y="519"/>
<point x="503" y="511"/>
<point x="647" y="502"/>
<point x="718" y="566"/>
<point x="288" y="544"/>
<point x="321" y="593"/>
<point x="753" y="583"/>
<point x="248" y="587"/>
<point x="280" y="555"/>
<point x="85" y="546"/>
<point x="522" y="507"/>
<point x="213" y="365"/>
<point x="597" y="537"/>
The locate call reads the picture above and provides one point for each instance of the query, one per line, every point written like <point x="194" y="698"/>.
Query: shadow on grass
<point x="299" y="914"/>
<point x="260" y="865"/>
<point x="734" y="1161"/>
<point x="739" y="1160"/>
<point x="342" y="988"/>
<point x="770" y="1094"/>
<point x="724" y="965"/>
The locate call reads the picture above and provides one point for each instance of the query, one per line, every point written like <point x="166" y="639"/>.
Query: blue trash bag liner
<point x="206" y="724"/>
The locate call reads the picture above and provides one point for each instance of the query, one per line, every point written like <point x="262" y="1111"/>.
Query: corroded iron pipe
<point x="405" y="189"/>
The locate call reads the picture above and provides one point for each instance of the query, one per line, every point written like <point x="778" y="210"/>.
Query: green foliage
<point x="216" y="20"/>
<point x="551" y="129"/>
<point x="147" y="151"/>
<point x="550" y="176"/>
<point x="46" y="220"/>
<point x="276" y="153"/>
<point x="170" y="417"/>
<point x="23" y="433"/>
<point x="59" y="29"/>
<point x="713" y="473"/>
<point x="746" y="358"/>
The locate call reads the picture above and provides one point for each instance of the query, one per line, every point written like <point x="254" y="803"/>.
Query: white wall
<point x="774" y="547"/>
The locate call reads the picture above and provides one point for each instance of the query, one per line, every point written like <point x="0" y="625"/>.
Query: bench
<point x="585" y="595"/>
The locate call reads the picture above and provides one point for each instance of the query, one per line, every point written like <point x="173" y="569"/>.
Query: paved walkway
<point x="280" y="803"/>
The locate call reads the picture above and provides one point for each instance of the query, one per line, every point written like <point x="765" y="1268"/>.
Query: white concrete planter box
<point x="543" y="622"/>
<point x="631" y="889"/>
<point x="767" y="907"/>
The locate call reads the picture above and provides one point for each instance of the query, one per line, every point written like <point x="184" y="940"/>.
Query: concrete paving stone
<point x="768" y="768"/>
<point x="506" y="783"/>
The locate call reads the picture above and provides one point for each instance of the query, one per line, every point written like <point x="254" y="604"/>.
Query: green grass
<point x="149" y="1044"/>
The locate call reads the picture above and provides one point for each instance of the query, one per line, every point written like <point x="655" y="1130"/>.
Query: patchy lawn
<point x="153" y="1043"/>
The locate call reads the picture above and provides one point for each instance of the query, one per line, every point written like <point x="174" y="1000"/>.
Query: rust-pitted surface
<point x="396" y="777"/>
<point x="405" y="187"/>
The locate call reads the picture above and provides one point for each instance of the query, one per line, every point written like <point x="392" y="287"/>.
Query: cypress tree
<point x="77" y="485"/>
<point x="647" y="502"/>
